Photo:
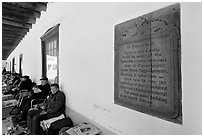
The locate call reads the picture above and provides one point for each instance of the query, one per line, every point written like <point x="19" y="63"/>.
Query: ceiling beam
<point x="7" y="47"/>
<point x="16" y="23"/>
<point x="14" y="16"/>
<point x="14" y="28"/>
<point x="9" y="42"/>
<point x="15" y="33"/>
<point x="6" y="53"/>
<point x="17" y="20"/>
<point x="21" y="11"/>
<point x="10" y="36"/>
<point x="36" y="6"/>
<point x="11" y="39"/>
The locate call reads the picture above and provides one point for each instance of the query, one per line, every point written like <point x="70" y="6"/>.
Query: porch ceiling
<point x="17" y="20"/>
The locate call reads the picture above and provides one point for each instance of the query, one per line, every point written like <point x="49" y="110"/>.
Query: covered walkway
<point x="74" y="44"/>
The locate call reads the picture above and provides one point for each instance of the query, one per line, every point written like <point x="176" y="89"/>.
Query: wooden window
<point x="10" y="67"/>
<point x="13" y="65"/>
<point x="21" y="64"/>
<point x="50" y="54"/>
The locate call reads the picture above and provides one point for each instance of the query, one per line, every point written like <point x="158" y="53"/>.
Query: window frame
<point x="21" y="64"/>
<point x="13" y="65"/>
<point x="50" y="34"/>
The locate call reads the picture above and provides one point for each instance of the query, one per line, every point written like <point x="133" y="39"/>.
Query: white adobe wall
<point x="87" y="63"/>
<point x="3" y="64"/>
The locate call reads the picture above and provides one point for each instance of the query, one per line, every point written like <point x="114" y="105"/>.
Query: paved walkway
<point x="6" y="117"/>
<point x="6" y="124"/>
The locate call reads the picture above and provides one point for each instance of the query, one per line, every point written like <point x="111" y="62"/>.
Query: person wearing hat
<point x="39" y="92"/>
<point x="53" y="106"/>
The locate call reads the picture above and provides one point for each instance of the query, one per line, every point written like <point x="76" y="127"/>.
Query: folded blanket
<point x="45" y="124"/>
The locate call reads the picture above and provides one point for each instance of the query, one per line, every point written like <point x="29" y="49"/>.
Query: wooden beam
<point x="15" y="16"/>
<point x="22" y="11"/>
<point x="42" y="6"/>
<point x="7" y="42"/>
<point x="17" y="19"/>
<point x="10" y="42"/>
<point x="11" y="36"/>
<point x="7" y="47"/>
<point x="11" y="39"/>
<point x="7" y="52"/>
<point x="36" y="6"/>
<point x="9" y="32"/>
<point x="16" y="23"/>
<point x="16" y="31"/>
<point x="6" y="55"/>
<point x="13" y="28"/>
<point x="4" y="52"/>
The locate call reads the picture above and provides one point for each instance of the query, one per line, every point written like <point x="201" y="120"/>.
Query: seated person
<point x="53" y="106"/>
<point x="25" y="84"/>
<point x="16" y="79"/>
<point x="40" y="92"/>
<point x="5" y="78"/>
<point x="13" y="82"/>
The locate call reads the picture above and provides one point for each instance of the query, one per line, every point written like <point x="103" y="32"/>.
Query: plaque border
<point x="176" y="116"/>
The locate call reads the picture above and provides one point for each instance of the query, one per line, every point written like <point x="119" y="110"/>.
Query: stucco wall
<point x="86" y="63"/>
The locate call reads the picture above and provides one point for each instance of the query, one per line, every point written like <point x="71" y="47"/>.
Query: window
<point x="50" y="54"/>
<point x="13" y="65"/>
<point x="20" y="64"/>
<point x="10" y="66"/>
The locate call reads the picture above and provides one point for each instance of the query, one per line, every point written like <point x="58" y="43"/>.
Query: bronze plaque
<point x="147" y="64"/>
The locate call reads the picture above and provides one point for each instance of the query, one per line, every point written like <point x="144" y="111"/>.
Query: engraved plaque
<point x="147" y="64"/>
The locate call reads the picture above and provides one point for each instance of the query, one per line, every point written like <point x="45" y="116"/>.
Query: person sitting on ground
<point x="53" y="106"/>
<point x="40" y="92"/>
